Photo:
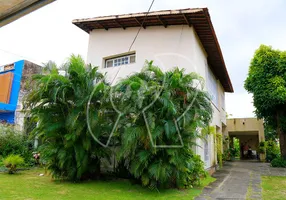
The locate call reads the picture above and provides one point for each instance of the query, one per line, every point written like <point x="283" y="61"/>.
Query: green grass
<point x="273" y="187"/>
<point x="28" y="185"/>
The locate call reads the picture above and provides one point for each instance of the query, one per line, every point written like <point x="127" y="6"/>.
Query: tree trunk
<point x="281" y="134"/>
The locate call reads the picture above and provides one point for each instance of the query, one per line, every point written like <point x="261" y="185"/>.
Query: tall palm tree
<point x="59" y="104"/>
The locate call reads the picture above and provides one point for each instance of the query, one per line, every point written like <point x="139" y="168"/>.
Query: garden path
<point x="239" y="180"/>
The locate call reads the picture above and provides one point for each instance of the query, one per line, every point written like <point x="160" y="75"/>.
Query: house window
<point x="223" y="101"/>
<point x="212" y="86"/>
<point x="207" y="152"/>
<point x="121" y="60"/>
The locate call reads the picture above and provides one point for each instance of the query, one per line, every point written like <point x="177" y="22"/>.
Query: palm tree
<point x="158" y="114"/>
<point x="59" y="104"/>
<point x="158" y="110"/>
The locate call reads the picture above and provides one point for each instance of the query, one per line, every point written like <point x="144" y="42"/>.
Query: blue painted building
<point x="10" y="111"/>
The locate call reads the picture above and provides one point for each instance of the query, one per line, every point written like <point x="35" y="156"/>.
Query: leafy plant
<point x="12" y="161"/>
<point x="225" y="155"/>
<point x="267" y="82"/>
<point x="219" y="148"/>
<point x="270" y="132"/>
<point x="262" y="147"/>
<point x="59" y="104"/>
<point x="14" y="142"/>
<point x="232" y="152"/>
<point x="1" y="161"/>
<point x="272" y="150"/>
<point x="278" y="162"/>
<point x="155" y="108"/>
<point x="236" y="147"/>
<point x="162" y="167"/>
<point x="262" y="144"/>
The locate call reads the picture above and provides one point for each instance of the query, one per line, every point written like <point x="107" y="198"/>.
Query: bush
<point x="197" y="170"/>
<point x="63" y="104"/>
<point x="145" y="146"/>
<point x="278" y="162"/>
<point x="272" y="150"/>
<point x="1" y="162"/>
<point x="262" y="147"/>
<point x="13" y="142"/>
<point x="60" y="104"/>
<point x="12" y="161"/>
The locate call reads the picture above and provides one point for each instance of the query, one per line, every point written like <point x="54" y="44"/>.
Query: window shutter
<point x="109" y="63"/>
<point x="132" y="59"/>
<point x="6" y="81"/>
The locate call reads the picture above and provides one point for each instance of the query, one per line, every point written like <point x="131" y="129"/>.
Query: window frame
<point x="207" y="152"/>
<point x="117" y="60"/>
<point x="212" y="86"/>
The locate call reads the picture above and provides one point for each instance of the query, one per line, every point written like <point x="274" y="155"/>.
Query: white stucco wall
<point x="168" y="47"/>
<point x="174" y="46"/>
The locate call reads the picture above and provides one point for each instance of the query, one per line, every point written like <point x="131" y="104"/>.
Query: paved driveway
<point x="239" y="180"/>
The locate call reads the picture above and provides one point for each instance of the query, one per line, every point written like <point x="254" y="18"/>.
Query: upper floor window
<point x="120" y="60"/>
<point x="223" y="101"/>
<point x="212" y="86"/>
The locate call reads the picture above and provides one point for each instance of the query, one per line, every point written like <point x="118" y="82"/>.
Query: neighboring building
<point x="11" y="10"/>
<point x="184" y="38"/>
<point x="13" y="80"/>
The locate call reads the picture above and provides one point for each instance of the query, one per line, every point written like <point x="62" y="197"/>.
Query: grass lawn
<point x="28" y="185"/>
<point x="274" y="187"/>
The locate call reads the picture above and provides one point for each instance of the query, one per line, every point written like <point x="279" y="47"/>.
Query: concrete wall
<point x="7" y="113"/>
<point x="246" y="126"/>
<point x="23" y="70"/>
<point x="168" y="47"/>
<point x="28" y="70"/>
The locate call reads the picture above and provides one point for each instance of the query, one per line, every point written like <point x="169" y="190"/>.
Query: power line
<point x="24" y="57"/>
<point x="141" y="26"/>
<point x="134" y="38"/>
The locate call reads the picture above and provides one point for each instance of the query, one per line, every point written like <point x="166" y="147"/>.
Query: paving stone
<point x="239" y="180"/>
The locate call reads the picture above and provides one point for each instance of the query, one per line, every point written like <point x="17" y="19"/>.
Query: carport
<point x="11" y="10"/>
<point x="249" y="132"/>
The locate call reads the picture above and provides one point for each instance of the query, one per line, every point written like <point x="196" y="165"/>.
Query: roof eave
<point x="219" y="49"/>
<point x="203" y="25"/>
<point x="21" y="11"/>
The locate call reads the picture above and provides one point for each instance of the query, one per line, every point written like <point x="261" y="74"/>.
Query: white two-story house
<point x="183" y="38"/>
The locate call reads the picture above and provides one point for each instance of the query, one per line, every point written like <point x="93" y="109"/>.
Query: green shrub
<point x="12" y="161"/>
<point x="278" y="162"/>
<point x="262" y="144"/>
<point x="236" y="148"/>
<point x="162" y="166"/>
<point x="262" y="147"/>
<point x="60" y="104"/>
<point x="226" y="156"/>
<point x="197" y="171"/>
<point x="63" y="104"/>
<point x="1" y="161"/>
<point x="13" y="142"/>
<point x="272" y="150"/>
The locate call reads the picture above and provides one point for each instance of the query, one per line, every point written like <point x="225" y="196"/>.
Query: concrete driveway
<point x="239" y="180"/>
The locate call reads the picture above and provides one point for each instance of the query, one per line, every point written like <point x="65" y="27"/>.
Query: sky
<point x="241" y="27"/>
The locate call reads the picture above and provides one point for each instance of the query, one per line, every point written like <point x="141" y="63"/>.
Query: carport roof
<point x="11" y="10"/>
